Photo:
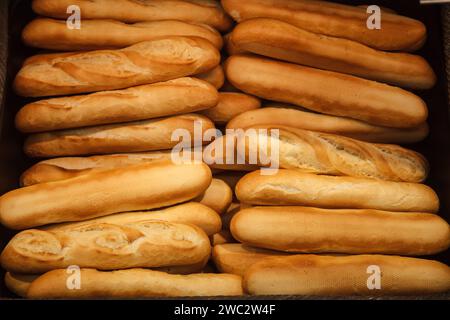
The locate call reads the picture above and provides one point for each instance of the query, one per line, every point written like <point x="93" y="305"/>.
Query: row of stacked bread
<point x="131" y="66"/>
<point x="350" y="205"/>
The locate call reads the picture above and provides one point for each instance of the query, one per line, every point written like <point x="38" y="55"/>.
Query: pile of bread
<point x="346" y="205"/>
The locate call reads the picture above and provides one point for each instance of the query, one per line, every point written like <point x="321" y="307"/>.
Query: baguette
<point x="192" y="213"/>
<point x="205" y="11"/>
<point x="146" y="135"/>
<point x="236" y="258"/>
<point x="312" y="230"/>
<point x="140" y="187"/>
<point x="294" y="188"/>
<point x="231" y="178"/>
<point x="323" y="153"/>
<point x="19" y="283"/>
<point x="218" y="196"/>
<point x="56" y="169"/>
<point x="147" y="62"/>
<point x="215" y="77"/>
<point x="326" y="92"/>
<point x="134" y="283"/>
<point x="280" y="40"/>
<point x="346" y="275"/>
<point x="157" y="100"/>
<point x="397" y="33"/>
<point x="109" y="34"/>
<point x="106" y="246"/>
<point x="230" y="105"/>
<point x="290" y="116"/>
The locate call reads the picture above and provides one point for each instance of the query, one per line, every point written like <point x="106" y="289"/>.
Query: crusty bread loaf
<point x="280" y="40"/>
<point x="337" y="20"/>
<point x="318" y="275"/>
<point x="236" y="258"/>
<point x="19" y="283"/>
<point x="147" y="62"/>
<point x="323" y="153"/>
<point x="215" y="77"/>
<point x="326" y="92"/>
<point x="109" y="34"/>
<point x="134" y="188"/>
<point x="138" y="136"/>
<point x="205" y="11"/>
<point x="134" y="283"/>
<point x="276" y="114"/>
<point x="218" y="196"/>
<point x="313" y="230"/>
<point x="151" y="101"/>
<point x="222" y="237"/>
<point x="292" y="187"/>
<point x="104" y="246"/>
<point x="192" y="213"/>
<point x="230" y="105"/>
<point x="70" y="167"/>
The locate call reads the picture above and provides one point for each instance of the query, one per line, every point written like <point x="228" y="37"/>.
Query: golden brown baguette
<point x="326" y="92"/>
<point x="109" y="34"/>
<point x="397" y="33"/>
<point x="205" y="11"/>
<point x="70" y="167"/>
<point x="192" y="213"/>
<point x="319" y="275"/>
<point x="313" y="230"/>
<point x="218" y="196"/>
<point x="292" y="187"/>
<point x="279" y="40"/>
<point x="323" y="153"/>
<point x="236" y="258"/>
<point x="231" y="178"/>
<point x="230" y="105"/>
<point x="134" y="283"/>
<point x="140" y="187"/>
<point x="19" y="283"/>
<point x="138" y="136"/>
<point x="179" y="96"/>
<point x="147" y="62"/>
<point x="215" y="77"/>
<point x="104" y="246"/>
<point x="276" y="114"/>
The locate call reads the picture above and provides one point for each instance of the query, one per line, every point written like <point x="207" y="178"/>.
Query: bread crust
<point x="173" y="97"/>
<point x="135" y="283"/>
<point x="346" y="275"/>
<point x="313" y="230"/>
<point x="294" y="188"/>
<point x="236" y="258"/>
<point x="230" y="105"/>
<point x="146" y="62"/>
<point x="205" y="11"/>
<point x="104" y="246"/>
<point x="134" y="188"/>
<point x="398" y="33"/>
<point x="138" y="136"/>
<point x="218" y="196"/>
<point x="279" y="40"/>
<point x="53" y="34"/>
<point x="192" y="213"/>
<point x="216" y="77"/>
<point x="326" y="92"/>
<point x="276" y="114"/>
